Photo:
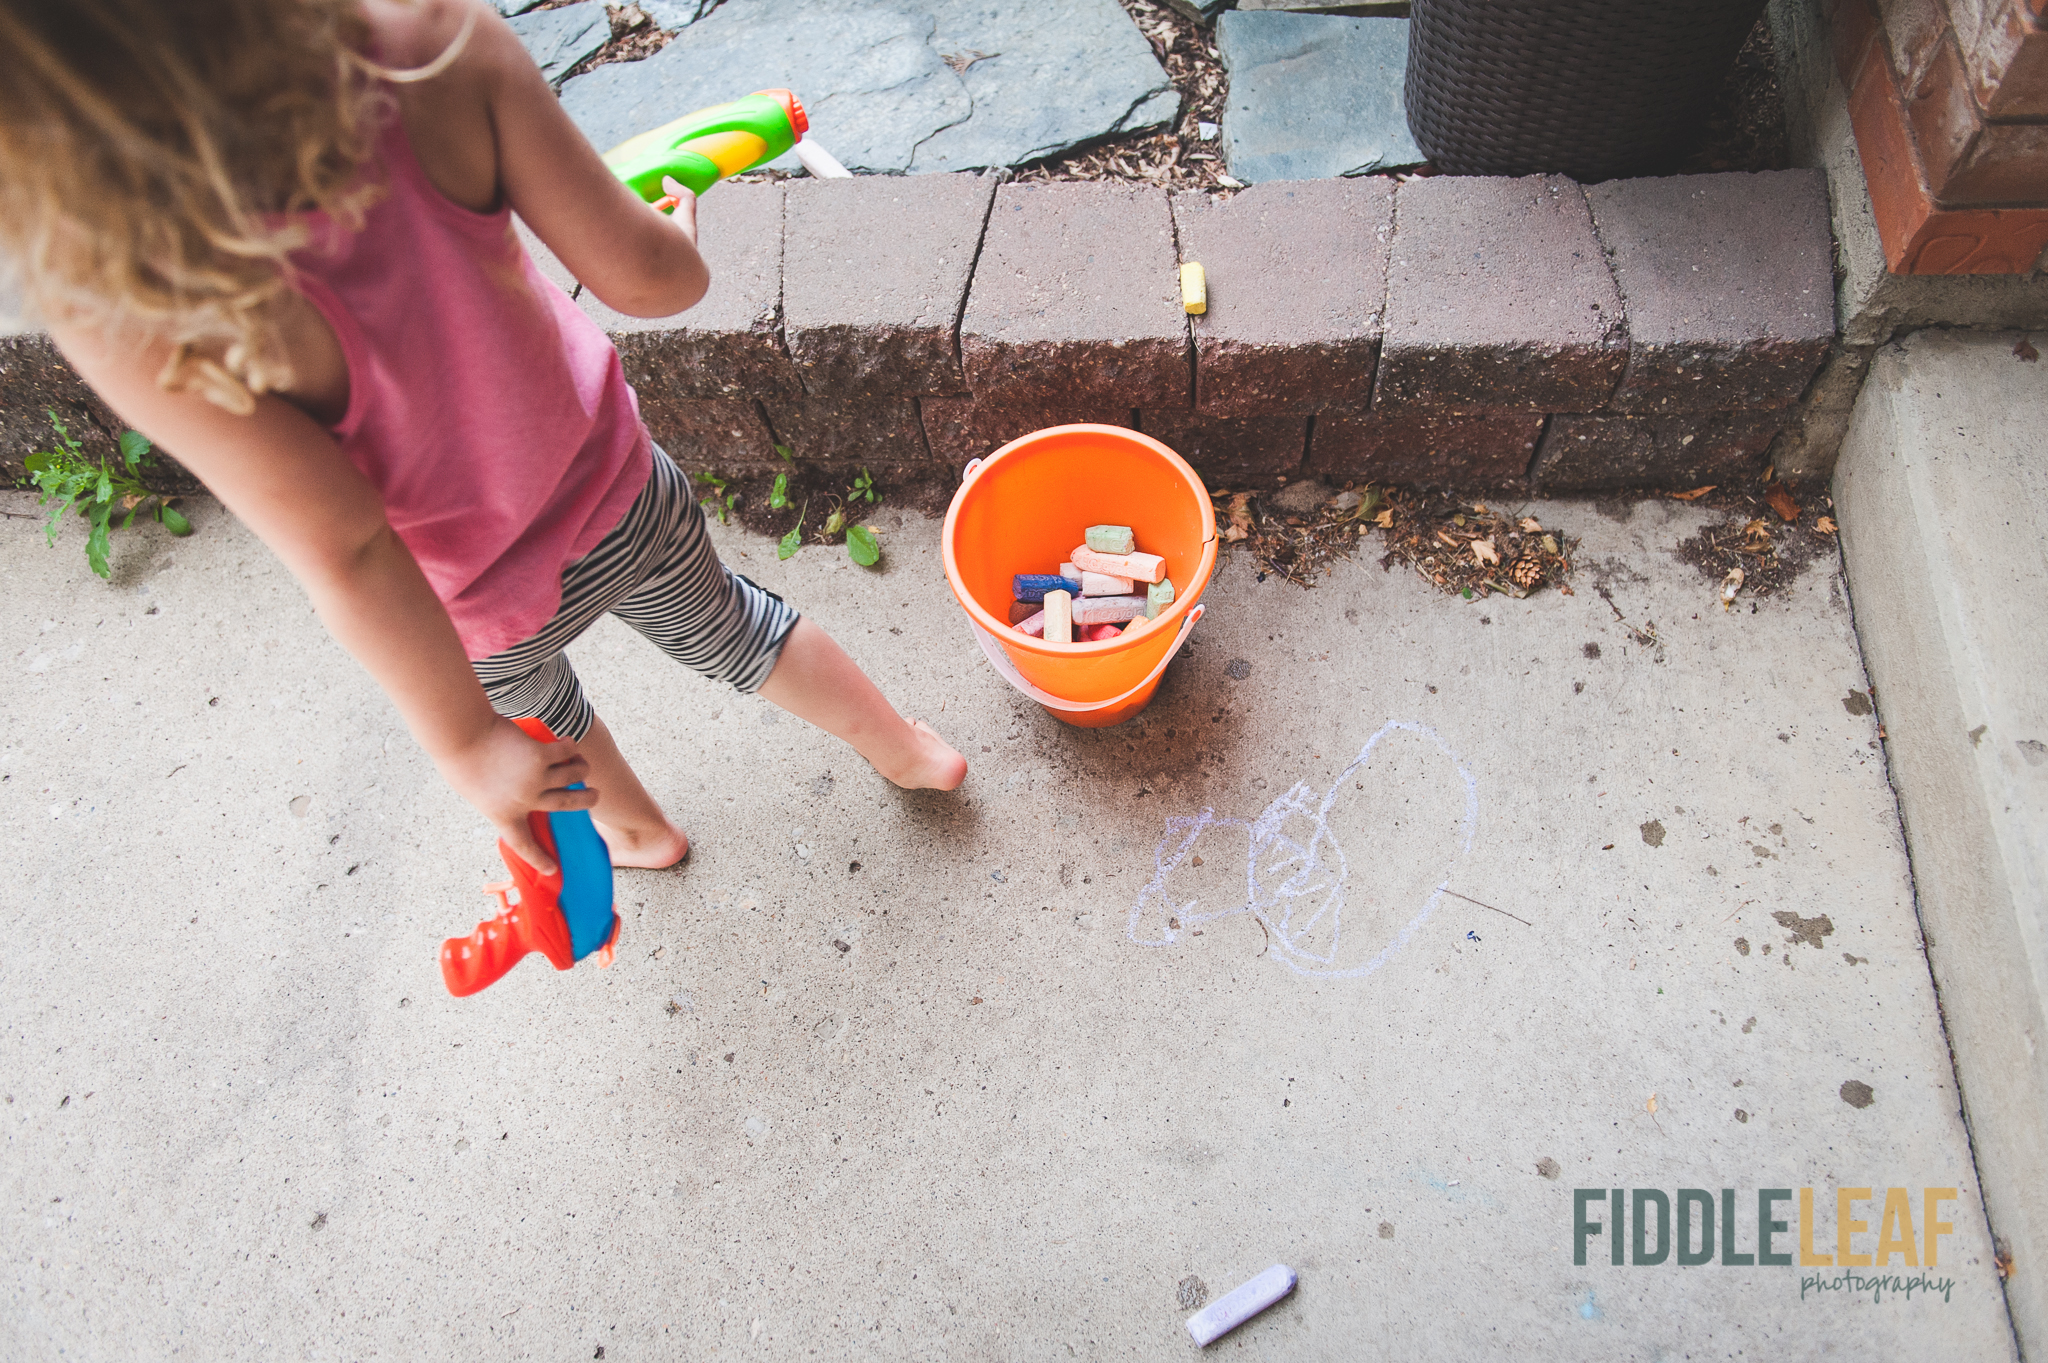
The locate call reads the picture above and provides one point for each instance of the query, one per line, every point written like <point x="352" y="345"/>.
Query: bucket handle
<point x="1002" y="664"/>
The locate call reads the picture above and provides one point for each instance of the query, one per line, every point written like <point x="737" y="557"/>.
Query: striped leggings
<point x="657" y="572"/>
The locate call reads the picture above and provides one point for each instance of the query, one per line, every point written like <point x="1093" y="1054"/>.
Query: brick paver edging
<point x="1473" y="333"/>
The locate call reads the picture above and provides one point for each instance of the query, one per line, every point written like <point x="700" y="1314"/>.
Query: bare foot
<point x="933" y="765"/>
<point x="654" y="850"/>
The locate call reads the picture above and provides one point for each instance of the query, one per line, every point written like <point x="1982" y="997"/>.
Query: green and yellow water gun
<point x="700" y="149"/>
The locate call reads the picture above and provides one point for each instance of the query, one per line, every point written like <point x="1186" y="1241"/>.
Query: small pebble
<point x="1111" y="539"/>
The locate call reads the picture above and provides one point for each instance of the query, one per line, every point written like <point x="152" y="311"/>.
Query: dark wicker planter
<point x="1592" y="89"/>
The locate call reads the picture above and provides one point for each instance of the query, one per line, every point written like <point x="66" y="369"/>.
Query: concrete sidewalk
<point x="921" y="1076"/>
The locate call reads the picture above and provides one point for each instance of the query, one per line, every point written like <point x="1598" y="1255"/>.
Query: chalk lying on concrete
<point x="1240" y="1304"/>
<point x="1106" y="584"/>
<point x="1111" y="539"/>
<point x="1105" y="610"/>
<point x="1137" y="567"/>
<point x="1034" y="586"/>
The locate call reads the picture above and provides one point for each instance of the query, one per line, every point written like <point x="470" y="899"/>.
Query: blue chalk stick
<point x="1034" y="586"/>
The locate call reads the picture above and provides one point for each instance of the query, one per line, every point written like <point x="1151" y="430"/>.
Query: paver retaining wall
<point x="1463" y="332"/>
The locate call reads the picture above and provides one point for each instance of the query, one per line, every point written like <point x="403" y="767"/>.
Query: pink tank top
<point x="488" y="411"/>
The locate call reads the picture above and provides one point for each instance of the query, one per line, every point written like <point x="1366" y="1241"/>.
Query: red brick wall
<point x="1949" y="99"/>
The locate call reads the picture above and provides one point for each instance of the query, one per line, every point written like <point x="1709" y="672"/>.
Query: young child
<point x="276" y="236"/>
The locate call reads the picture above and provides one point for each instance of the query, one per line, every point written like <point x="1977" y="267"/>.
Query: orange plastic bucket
<point x="1024" y="509"/>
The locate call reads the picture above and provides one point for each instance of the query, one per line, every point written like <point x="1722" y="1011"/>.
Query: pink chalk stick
<point x="1033" y="626"/>
<point x="1137" y="567"/>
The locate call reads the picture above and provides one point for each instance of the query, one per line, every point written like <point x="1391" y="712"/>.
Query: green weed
<point x="720" y="502"/>
<point x="68" y="477"/>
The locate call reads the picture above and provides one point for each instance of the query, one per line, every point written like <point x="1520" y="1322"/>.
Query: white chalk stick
<point x="1106" y="610"/>
<point x="1106" y="584"/>
<point x="1240" y="1304"/>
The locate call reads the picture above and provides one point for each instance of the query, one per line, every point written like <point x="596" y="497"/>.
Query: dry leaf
<point x="960" y="61"/>
<point x="1240" y="517"/>
<point x="2025" y="350"/>
<point x="1826" y="525"/>
<point x="1385" y="520"/>
<point x="1694" y="495"/>
<point x="1532" y="525"/>
<point x="1730" y="585"/>
<point x="1484" y="552"/>
<point x="1651" y="1106"/>
<point x="1782" y="503"/>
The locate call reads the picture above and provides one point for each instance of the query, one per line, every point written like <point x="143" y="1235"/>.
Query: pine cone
<point x="1527" y="572"/>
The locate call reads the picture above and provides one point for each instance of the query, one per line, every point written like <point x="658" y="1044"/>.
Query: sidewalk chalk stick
<point x="1138" y="623"/>
<point x="1034" y="586"/>
<point x="1106" y="584"/>
<point x="1158" y="597"/>
<point x="1070" y="572"/>
<point x="1107" y="610"/>
<point x="1021" y="611"/>
<point x="1033" y="625"/>
<point x="1059" y="617"/>
<point x="1096" y="634"/>
<point x="1240" y="1304"/>
<point x="1111" y="539"/>
<point x="1138" y="567"/>
<point x="1194" y="289"/>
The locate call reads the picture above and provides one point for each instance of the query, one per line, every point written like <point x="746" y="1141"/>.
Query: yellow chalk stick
<point x="1194" y="289"/>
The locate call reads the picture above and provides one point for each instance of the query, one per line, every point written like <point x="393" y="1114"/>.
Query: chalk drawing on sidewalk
<point x="1408" y="807"/>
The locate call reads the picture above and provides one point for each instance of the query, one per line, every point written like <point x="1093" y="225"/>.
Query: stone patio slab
<point x="876" y="84"/>
<point x="559" y="38"/>
<point x="1314" y="95"/>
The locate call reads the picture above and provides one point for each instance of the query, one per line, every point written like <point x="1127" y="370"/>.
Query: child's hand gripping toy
<point x="698" y="150"/>
<point x="565" y="916"/>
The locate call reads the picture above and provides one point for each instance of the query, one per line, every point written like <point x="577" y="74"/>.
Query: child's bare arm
<point x="634" y="259"/>
<point x="287" y="479"/>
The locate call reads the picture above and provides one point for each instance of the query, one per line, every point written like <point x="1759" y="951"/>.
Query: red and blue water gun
<point x="565" y="915"/>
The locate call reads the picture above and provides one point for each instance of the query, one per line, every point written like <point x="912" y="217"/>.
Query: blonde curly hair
<point x="159" y="158"/>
